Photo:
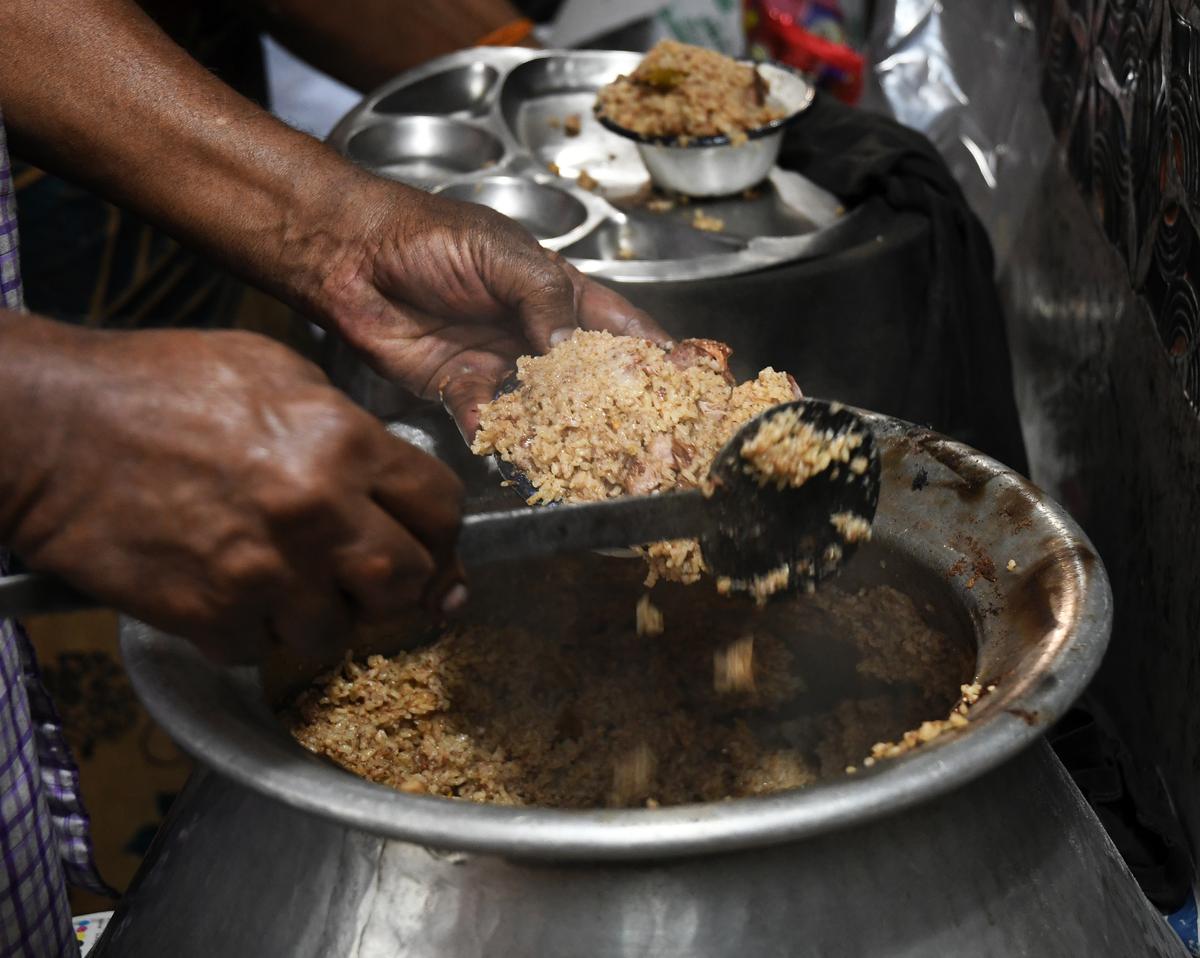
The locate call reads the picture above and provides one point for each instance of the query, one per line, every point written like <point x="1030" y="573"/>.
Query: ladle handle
<point x="513" y="534"/>
<point x="33" y="593"/>
<point x="524" y="533"/>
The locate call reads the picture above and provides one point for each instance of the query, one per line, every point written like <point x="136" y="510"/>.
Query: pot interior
<point x="987" y="560"/>
<point x="552" y="693"/>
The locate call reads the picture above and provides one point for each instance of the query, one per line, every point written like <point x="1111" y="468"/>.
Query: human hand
<point x="443" y="296"/>
<point x="215" y="485"/>
<point x="436" y="293"/>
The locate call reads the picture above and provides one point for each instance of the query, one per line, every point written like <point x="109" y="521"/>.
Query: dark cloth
<point x="961" y="371"/>
<point x="539" y="11"/>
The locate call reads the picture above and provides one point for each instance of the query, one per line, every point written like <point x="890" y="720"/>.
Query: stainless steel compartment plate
<point x="489" y="125"/>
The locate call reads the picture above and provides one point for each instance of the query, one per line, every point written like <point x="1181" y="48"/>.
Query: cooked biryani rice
<point x="853" y="528"/>
<point x="502" y="716"/>
<point x="573" y="709"/>
<point x="926" y="732"/>
<point x="601" y="416"/>
<point x="685" y="92"/>
<point x="787" y="451"/>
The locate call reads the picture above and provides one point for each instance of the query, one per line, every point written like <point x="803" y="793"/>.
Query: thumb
<point x="470" y="387"/>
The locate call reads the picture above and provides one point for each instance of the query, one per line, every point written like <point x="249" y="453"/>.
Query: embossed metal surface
<point x="913" y="858"/>
<point x="1102" y="302"/>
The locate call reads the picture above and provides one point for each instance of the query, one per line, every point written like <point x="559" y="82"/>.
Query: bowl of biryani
<point x="705" y="124"/>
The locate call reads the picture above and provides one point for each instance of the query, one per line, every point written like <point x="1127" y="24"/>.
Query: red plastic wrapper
<point x="807" y="35"/>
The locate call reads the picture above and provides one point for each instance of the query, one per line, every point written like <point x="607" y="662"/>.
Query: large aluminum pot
<point x="977" y="842"/>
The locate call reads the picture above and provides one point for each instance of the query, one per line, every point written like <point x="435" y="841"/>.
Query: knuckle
<point x="193" y="612"/>
<point x="375" y="570"/>
<point x="249" y="567"/>
<point x="552" y="278"/>
<point x="411" y="565"/>
<point x="296" y="499"/>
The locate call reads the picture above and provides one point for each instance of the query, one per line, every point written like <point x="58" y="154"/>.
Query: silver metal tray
<point x="488" y="125"/>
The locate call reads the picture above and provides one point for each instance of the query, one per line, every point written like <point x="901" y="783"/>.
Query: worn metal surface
<point x="1012" y="864"/>
<point x="963" y="840"/>
<point x="948" y="521"/>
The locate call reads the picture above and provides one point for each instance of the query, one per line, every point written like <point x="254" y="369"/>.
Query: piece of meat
<point x="683" y="453"/>
<point x="711" y="410"/>
<point x="656" y="468"/>
<point x="688" y="352"/>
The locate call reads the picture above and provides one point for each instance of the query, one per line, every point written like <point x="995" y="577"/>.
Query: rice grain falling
<point x="633" y="776"/>
<point x="733" y="667"/>
<point x="709" y="224"/>
<point x="649" y="617"/>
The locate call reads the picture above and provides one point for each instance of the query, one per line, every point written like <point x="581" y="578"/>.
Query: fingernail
<point x="454" y="599"/>
<point x="561" y="335"/>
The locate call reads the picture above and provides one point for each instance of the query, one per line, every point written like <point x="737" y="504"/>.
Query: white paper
<point x="88" y="929"/>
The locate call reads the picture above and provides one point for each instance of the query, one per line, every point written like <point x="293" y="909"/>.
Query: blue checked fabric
<point x="10" y="265"/>
<point x="44" y="833"/>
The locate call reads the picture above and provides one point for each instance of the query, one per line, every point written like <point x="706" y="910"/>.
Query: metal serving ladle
<point x="746" y="530"/>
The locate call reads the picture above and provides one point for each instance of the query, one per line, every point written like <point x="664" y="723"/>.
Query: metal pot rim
<point x="218" y="716"/>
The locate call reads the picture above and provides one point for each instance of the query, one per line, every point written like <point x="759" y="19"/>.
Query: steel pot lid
<point x="1040" y="630"/>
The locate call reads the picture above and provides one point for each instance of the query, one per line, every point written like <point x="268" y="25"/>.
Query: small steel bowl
<point x="712" y="165"/>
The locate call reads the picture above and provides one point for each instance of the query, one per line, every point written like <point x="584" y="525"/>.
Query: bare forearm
<point x="365" y="42"/>
<point x="92" y="89"/>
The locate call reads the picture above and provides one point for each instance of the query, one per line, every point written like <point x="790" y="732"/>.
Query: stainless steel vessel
<point x="711" y="166"/>
<point x="977" y="842"/>
<point x="497" y="126"/>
